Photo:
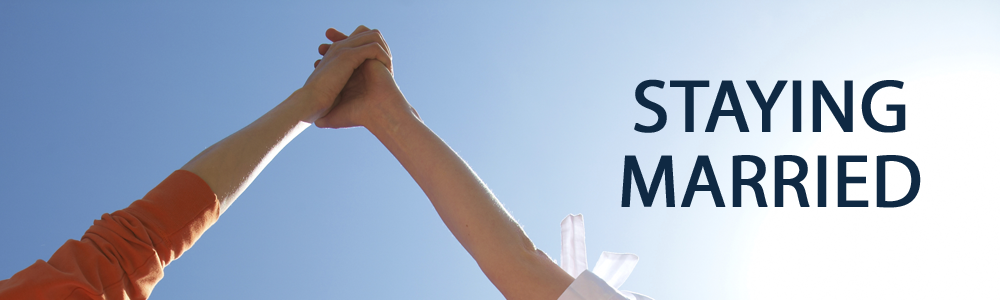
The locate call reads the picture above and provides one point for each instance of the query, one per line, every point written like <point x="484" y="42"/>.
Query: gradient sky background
<point x="100" y="103"/>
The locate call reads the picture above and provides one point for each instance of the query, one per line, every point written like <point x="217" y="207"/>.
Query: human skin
<point x="126" y="251"/>
<point x="353" y="86"/>
<point x="469" y="209"/>
<point x="230" y="165"/>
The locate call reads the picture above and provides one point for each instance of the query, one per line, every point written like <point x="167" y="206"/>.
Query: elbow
<point x="528" y="274"/>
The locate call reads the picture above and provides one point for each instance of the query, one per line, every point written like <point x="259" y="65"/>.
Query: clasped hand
<point x="353" y="83"/>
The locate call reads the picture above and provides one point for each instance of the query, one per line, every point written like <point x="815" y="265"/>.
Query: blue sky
<point x="98" y="103"/>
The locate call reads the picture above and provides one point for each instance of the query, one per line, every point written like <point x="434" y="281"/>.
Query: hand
<point x="370" y="92"/>
<point x="339" y="62"/>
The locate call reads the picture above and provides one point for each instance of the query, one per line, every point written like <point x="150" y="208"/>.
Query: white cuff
<point x="588" y="286"/>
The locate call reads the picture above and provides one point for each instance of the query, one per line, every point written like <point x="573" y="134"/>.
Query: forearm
<point x="480" y="223"/>
<point x="230" y="165"/>
<point x="463" y="201"/>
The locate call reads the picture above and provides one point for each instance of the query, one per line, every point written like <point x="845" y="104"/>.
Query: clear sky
<point x="98" y="103"/>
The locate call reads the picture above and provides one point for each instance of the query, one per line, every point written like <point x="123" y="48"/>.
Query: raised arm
<point x="123" y="254"/>
<point x="230" y="165"/>
<point x="465" y="204"/>
<point x="476" y="218"/>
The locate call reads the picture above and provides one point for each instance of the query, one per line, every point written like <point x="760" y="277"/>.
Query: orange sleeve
<point x="122" y="256"/>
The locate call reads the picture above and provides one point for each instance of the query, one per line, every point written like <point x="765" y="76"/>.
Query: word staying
<point x="844" y="117"/>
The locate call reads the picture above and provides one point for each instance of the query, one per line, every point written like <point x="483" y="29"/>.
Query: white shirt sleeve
<point x="611" y="271"/>
<point x="588" y="286"/>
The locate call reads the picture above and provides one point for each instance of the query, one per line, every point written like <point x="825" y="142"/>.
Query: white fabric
<point x="609" y="274"/>
<point x="635" y="296"/>
<point x="588" y="286"/>
<point x="615" y="267"/>
<point x="573" y="257"/>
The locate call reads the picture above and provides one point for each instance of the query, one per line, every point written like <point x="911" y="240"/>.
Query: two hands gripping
<point x="353" y="85"/>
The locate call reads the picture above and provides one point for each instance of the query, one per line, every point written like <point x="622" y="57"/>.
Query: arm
<point x="476" y="218"/>
<point x="123" y="254"/>
<point x="230" y="165"/>
<point x="465" y="204"/>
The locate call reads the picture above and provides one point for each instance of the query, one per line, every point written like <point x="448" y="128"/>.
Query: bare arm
<point x="233" y="163"/>
<point x="230" y="165"/>
<point x="476" y="218"/>
<point x="465" y="204"/>
<point x="123" y="254"/>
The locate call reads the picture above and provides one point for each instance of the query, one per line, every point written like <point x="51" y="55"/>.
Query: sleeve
<point x="123" y="254"/>
<point x="588" y="286"/>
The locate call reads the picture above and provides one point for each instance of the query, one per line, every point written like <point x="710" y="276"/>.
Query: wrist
<point x="392" y="116"/>
<point x="306" y="104"/>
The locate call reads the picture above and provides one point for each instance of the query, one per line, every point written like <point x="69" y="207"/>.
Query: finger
<point x="382" y="41"/>
<point x="316" y="64"/>
<point x="358" y="39"/>
<point x="360" y="29"/>
<point x="372" y="51"/>
<point x="323" y="48"/>
<point x="333" y="35"/>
